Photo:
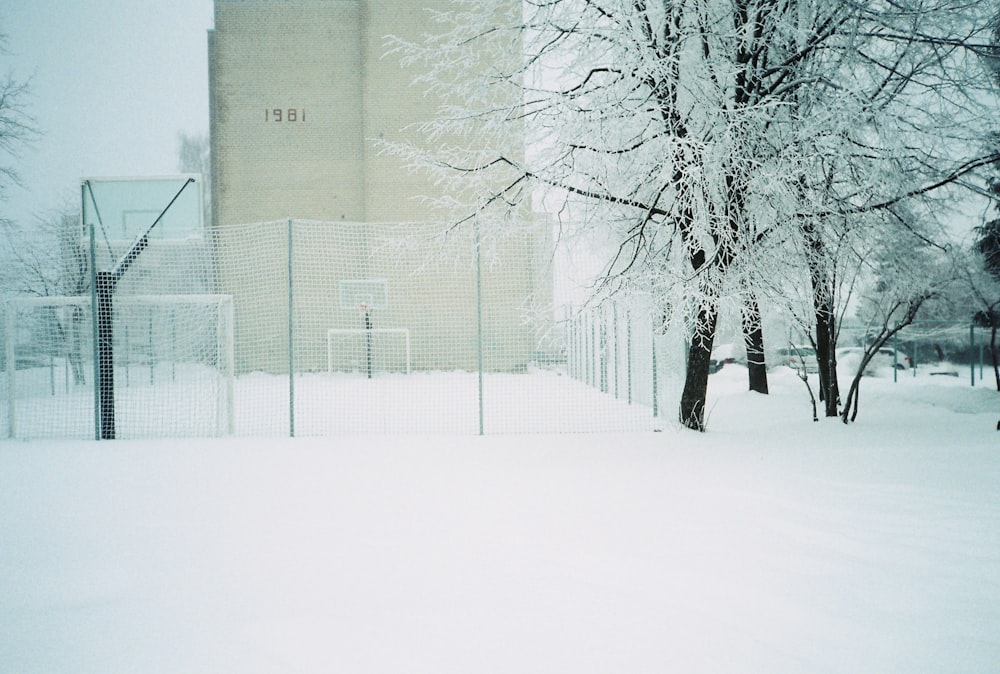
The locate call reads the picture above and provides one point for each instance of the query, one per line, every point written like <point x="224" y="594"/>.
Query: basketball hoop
<point x="365" y="294"/>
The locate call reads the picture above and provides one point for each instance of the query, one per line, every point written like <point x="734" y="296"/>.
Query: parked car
<point x="798" y="357"/>
<point x="894" y="358"/>
<point x="725" y="354"/>
<point x="885" y="358"/>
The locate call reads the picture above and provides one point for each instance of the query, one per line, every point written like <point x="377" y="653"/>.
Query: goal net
<point x="348" y="327"/>
<point x="173" y="366"/>
<point x="295" y="327"/>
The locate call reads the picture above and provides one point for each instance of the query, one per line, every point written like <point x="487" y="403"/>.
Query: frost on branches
<point x="739" y="152"/>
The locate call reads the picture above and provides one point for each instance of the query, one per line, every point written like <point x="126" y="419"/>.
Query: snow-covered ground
<point x="768" y="544"/>
<point x="194" y="403"/>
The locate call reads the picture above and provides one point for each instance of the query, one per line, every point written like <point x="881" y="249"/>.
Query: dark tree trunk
<point x="692" y="409"/>
<point x="753" y="337"/>
<point x="826" y="355"/>
<point x="993" y="351"/>
<point x="822" y="291"/>
<point x="850" y="411"/>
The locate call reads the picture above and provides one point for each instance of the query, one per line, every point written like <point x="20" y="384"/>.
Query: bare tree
<point x="982" y="283"/>
<point x="17" y="128"/>
<point x="906" y="279"/>
<point x="49" y="259"/>
<point x="702" y="134"/>
<point x="982" y="274"/>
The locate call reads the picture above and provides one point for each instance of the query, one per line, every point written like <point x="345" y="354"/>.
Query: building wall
<point x="392" y="104"/>
<point x="286" y="120"/>
<point x="320" y="66"/>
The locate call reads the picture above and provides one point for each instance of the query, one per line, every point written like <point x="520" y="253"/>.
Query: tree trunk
<point x="850" y="411"/>
<point x="993" y="351"/>
<point x="753" y="337"/>
<point x="822" y="290"/>
<point x="826" y="354"/>
<point x="692" y="409"/>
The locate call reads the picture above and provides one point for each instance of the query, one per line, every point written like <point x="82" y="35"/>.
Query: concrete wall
<point x="286" y="121"/>
<point x="320" y="66"/>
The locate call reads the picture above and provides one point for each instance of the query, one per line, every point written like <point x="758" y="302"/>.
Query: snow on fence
<point x="309" y="328"/>
<point x="306" y="328"/>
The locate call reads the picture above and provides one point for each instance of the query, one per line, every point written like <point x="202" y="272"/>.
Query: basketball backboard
<point x="364" y="293"/>
<point x="125" y="208"/>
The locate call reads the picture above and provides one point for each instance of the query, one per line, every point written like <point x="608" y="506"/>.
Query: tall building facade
<point x="300" y="93"/>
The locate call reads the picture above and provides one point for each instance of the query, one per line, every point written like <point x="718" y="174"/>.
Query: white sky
<point x="113" y="84"/>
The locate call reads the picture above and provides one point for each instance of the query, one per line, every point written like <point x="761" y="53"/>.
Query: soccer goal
<point x="173" y="366"/>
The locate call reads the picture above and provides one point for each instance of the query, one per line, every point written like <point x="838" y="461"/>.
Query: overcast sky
<point x="113" y="83"/>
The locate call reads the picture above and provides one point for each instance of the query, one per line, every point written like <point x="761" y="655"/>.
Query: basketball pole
<point x="105" y="286"/>
<point x="105" y="283"/>
<point x="368" y="337"/>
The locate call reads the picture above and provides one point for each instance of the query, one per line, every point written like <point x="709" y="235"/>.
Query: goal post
<point x="37" y="331"/>
<point x="173" y="364"/>
<point x="179" y="339"/>
<point x="389" y="348"/>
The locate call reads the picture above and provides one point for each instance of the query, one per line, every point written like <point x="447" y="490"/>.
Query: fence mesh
<point x="312" y="328"/>
<point x="307" y="328"/>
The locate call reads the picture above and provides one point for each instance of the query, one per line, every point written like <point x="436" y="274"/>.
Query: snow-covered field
<point x="769" y="544"/>
<point x="194" y="404"/>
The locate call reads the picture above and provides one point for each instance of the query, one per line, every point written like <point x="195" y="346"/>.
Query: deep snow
<point x="768" y="544"/>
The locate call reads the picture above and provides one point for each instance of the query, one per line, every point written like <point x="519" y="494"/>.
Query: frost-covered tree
<point x="920" y="115"/>
<point x="715" y="143"/>
<point x="45" y="259"/>
<point x="17" y="127"/>
<point x="905" y="280"/>
<point x="981" y="274"/>
<point x="983" y="284"/>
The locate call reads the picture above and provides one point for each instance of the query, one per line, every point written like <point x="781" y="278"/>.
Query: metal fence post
<point x="972" y="360"/>
<point x="982" y="358"/>
<point x="93" y="325"/>
<point x="895" y="358"/>
<point x="226" y="366"/>
<point x="479" y="318"/>
<point x="615" y="356"/>
<point x="291" y="335"/>
<point x="602" y="347"/>
<point x="656" y="400"/>
<point x="628" y="354"/>
<point x="10" y="336"/>
<point x="589" y="335"/>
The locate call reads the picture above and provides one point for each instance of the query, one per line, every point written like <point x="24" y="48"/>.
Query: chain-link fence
<point x="932" y="348"/>
<point x="308" y="328"/>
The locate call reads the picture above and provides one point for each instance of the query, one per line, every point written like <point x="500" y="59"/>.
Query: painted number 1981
<point x="282" y="115"/>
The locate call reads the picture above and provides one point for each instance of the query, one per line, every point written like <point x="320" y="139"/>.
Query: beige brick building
<point x="300" y="91"/>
